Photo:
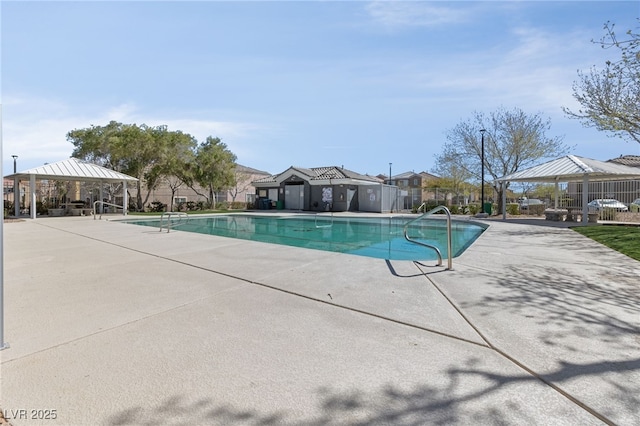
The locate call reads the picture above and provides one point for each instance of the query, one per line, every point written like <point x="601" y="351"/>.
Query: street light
<point x="14" y="163"/>
<point x="390" y="207"/>
<point x="482" y="172"/>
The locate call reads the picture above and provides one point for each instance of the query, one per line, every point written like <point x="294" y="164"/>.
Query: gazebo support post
<point x="16" y="197"/>
<point x="504" y="200"/>
<point x="125" y="198"/>
<point x="32" y="189"/>
<point x="585" y="199"/>
<point x="556" y="190"/>
<point x="101" y="198"/>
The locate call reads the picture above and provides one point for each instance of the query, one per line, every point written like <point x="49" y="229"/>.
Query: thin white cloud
<point x="392" y="14"/>
<point x="532" y="69"/>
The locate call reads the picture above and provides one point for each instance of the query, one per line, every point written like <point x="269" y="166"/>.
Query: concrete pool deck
<point x="116" y="324"/>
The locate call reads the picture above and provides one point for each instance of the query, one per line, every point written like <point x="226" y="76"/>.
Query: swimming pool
<point x="381" y="238"/>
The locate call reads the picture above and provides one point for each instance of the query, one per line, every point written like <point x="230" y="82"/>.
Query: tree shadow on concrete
<point x="457" y="401"/>
<point x="568" y="305"/>
<point x="424" y="404"/>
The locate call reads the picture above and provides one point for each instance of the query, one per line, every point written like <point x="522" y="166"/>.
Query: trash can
<point x="279" y="204"/>
<point x="487" y="208"/>
<point x="265" y="204"/>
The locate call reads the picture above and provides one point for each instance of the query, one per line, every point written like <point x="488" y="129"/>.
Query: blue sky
<point x="347" y="83"/>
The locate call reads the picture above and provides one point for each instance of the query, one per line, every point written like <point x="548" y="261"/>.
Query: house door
<point x="293" y="197"/>
<point x="350" y="194"/>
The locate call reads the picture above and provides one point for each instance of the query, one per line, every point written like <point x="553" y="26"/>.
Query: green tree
<point x="139" y="151"/>
<point x="176" y="153"/>
<point x="513" y="140"/>
<point x="212" y="169"/>
<point x="454" y="176"/>
<point x="93" y="144"/>
<point x="610" y="97"/>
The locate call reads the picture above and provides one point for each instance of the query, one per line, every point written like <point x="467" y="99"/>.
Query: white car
<point x="607" y="203"/>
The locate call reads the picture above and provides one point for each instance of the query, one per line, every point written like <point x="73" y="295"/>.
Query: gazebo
<point x="72" y="169"/>
<point x="571" y="168"/>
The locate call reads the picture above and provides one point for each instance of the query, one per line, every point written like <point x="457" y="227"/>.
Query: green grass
<point x="625" y="239"/>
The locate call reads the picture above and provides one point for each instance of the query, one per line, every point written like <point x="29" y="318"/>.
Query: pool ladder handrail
<point x="437" y="250"/>
<point x="323" y="226"/>
<point x="103" y="203"/>
<point x="180" y="216"/>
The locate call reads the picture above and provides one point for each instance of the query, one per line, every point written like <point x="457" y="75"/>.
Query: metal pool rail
<point x="437" y="250"/>
<point x="180" y="216"/>
<point x="103" y="203"/>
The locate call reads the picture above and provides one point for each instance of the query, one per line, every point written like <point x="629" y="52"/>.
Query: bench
<point x="556" y="215"/>
<point x="575" y="215"/>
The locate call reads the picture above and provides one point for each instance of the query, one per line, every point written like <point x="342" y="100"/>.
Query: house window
<point x="415" y="182"/>
<point x="178" y="200"/>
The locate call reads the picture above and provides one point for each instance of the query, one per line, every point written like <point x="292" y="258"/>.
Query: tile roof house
<point x="414" y="188"/>
<point x="627" y="160"/>
<point x="325" y="189"/>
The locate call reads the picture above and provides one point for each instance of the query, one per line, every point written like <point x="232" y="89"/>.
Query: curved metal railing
<point x="437" y="250"/>
<point x="180" y="216"/>
<point x="103" y="203"/>
<point x="324" y="226"/>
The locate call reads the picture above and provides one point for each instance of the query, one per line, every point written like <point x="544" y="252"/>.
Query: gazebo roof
<point x="73" y="169"/>
<point x="572" y="168"/>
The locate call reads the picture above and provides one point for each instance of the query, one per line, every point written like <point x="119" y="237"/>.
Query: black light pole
<point x="482" y="167"/>
<point x="14" y="164"/>
<point x="390" y="203"/>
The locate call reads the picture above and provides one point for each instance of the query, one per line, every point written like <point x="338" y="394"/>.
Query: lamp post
<point x="14" y="163"/>
<point x="391" y="204"/>
<point x="482" y="172"/>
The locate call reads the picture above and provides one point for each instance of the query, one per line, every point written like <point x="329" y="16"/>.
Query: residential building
<point x="331" y="189"/>
<point x="415" y="188"/>
<point x="242" y="192"/>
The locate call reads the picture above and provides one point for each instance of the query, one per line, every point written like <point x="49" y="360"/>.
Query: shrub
<point x="157" y="206"/>
<point x="8" y="208"/>
<point x="537" y="209"/>
<point x="454" y="209"/>
<point x="238" y="205"/>
<point x="513" y="209"/>
<point x="473" y="209"/>
<point x="192" y="206"/>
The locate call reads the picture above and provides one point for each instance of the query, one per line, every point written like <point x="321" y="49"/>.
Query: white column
<point x="125" y="200"/>
<point x="16" y="197"/>
<point x="504" y="199"/>
<point x="585" y="199"/>
<point x="101" y="199"/>
<point x="32" y="188"/>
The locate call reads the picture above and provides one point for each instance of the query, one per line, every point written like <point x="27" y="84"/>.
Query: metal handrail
<point x="437" y="250"/>
<point x="103" y="203"/>
<point x="169" y="214"/>
<point x="323" y="226"/>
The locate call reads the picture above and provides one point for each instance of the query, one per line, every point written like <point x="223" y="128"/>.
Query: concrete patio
<point x="115" y="324"/>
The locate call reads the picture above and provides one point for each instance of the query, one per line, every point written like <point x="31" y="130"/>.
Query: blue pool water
<point x="381" y="238"/>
